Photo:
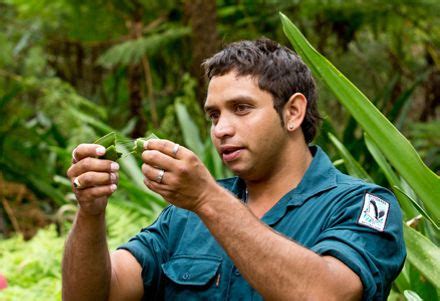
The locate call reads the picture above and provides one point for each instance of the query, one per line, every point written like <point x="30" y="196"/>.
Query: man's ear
<point x="294" y="111"/>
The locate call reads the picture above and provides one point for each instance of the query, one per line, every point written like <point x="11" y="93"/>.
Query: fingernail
<point x="114" y="166"/>
<point x="145" y="144"/>
<point x="100" y="151"/>
<point x="113" y="177"/>
<point x="113" y="187"/>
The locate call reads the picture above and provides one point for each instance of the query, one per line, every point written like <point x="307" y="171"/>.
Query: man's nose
<point x="223" y="128"/>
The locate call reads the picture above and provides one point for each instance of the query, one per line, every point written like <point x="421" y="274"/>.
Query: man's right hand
<point x="93" y="180"/>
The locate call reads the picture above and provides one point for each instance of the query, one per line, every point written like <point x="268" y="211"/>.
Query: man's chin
<point x="235" y="169"/>
<point x="239" y="170"/>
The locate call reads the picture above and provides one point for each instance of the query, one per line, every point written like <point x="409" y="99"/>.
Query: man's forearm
<point x="86" y="262"/>
<point x="274" y="265"/>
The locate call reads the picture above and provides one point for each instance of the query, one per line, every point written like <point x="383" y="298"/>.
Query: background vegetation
<point x="71" y="71"/>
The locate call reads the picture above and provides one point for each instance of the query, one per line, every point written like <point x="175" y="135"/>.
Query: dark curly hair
<point x="279" y="71"/>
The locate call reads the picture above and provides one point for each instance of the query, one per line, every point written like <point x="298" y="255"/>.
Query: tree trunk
<point x="202" y="17"/>
<point x="136" y="106"/>
<point x="135" y="80"/>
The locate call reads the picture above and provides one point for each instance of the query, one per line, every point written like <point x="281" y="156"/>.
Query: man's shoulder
<point x="350" y="191"/>
<point x="349" y="183"/>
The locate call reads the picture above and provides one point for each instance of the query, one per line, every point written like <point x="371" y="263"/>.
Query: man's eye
<point x="212" y="115"/>
<point x="241" y="108"/>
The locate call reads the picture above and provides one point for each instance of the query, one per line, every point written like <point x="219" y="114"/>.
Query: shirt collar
<point x="235" y="185"/>
<point x="319" y="176"/>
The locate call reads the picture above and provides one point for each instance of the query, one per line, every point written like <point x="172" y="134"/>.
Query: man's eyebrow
<point x="208" y="108"/>
<point x="238" y="99"/>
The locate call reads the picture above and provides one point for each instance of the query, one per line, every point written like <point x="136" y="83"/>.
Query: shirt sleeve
<point x="373" y="248"/>
<point x="150" y="248"/>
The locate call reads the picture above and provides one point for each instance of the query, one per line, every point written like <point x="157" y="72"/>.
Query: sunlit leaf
<point x="402" y="195"/>
<point x="190" y="132"/>
<point x="423" y="254"/>
<point x="391" y="176"/>
<point x="412" y="296"/>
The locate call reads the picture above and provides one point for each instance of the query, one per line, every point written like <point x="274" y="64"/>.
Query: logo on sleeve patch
<point x="374" y="213"/>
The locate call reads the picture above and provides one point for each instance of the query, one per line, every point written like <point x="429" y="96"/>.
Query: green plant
<point x="386" y="144"/>
<point x="33" y="268"/>
<point x="109" y="142"/>
<point x="391" y="142"/>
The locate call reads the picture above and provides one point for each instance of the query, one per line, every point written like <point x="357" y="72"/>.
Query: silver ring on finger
<point x="160" y="176"/>
<point x="175" y="149"/>
<point x="76" y="183"/>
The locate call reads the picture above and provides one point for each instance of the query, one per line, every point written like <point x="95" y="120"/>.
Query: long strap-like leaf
<point x="423" y="254"/>
<point x="396" y="148"/>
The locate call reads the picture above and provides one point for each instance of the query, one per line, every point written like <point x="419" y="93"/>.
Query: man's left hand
<point x="177" y="174"/>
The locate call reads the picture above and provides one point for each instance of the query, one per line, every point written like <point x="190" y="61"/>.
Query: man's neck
<point x="262" y="195"/>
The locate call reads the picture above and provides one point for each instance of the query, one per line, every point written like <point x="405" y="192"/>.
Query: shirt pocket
<point x="192" y="277"/>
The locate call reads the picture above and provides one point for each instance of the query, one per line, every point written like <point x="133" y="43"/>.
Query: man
<point x="288" y="227"/>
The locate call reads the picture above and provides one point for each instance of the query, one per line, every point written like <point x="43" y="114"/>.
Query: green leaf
<point x="353" y="167"/>
<point x="205" y="151"/>
<point x="402" y="281"/>
<point x="395" y="147"/>
<point x="128" y="163"/>
<point x="394" y="296"/>
<point x="411" y="296"/>
<point x="213" y="162"/>
<point x="190" y="132"/>
<point x="391" y="176"/>
<point x="46" y="188"/>
<point x="138" y="145"/>
<point x="402" y="195"/>
<point x="419" y="284"/>
<point x="106" y="140"/>
<point x="374" y="150"/>
<point x="423" y="254"/>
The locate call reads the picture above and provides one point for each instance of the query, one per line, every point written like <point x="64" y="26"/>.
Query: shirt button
<point x="185" y="276"/>
<point x="237" y="272"/>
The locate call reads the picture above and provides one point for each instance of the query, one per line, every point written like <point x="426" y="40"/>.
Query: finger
<point x="158" y="159"/>
<point x="91" y="179"/>
<point x="158" y="188"/>
<point x="154" y="174"/>
<point x="92" y="193"/>
<point x="167" y="147"/>
<point x="92" y="164"/>
<point x="88" y="150"/>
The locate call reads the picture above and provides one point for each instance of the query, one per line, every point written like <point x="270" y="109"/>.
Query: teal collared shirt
<point x="329" y="213"/>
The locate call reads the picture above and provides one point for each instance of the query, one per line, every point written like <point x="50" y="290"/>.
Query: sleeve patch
<point x="374" y="212"/>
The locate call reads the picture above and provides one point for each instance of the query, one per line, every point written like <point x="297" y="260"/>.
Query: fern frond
<point x="131" y="52"/>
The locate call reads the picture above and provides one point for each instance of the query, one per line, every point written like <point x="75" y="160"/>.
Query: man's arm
<point x="86" y="262"/>
<point x="275" y="266"/>
<point x="126" y="283"/>
<point x="89" y="273"/>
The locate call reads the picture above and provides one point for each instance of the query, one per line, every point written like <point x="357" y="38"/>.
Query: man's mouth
<point x="230" y="153"/>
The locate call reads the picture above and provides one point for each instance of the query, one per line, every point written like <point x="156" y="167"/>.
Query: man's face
<point x="246" y="130"/>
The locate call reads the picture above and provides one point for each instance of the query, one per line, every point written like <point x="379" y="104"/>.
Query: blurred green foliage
<point x="33" y="268"/>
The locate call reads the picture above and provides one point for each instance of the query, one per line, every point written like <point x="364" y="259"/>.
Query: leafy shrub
<point x="33" y="268"/>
